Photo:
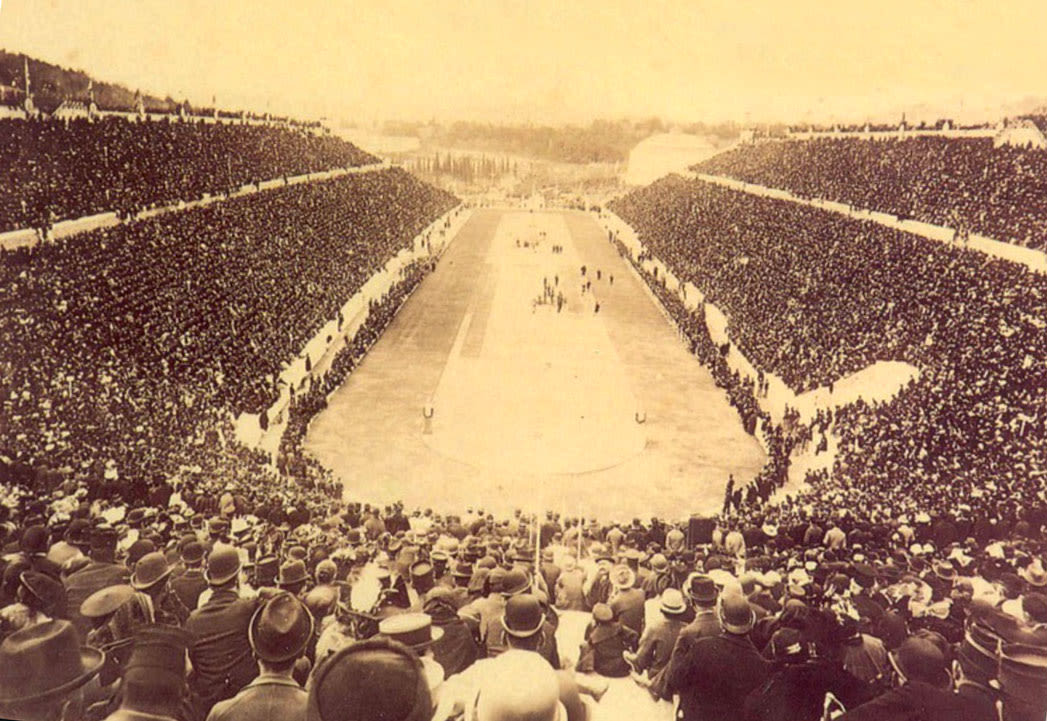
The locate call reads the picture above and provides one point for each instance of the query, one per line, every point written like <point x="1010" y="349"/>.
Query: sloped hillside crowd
<point x="965" y="184"/>
<point x="57" y="170"/>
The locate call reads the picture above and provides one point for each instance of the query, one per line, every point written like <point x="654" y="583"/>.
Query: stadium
<point x="305" y="418"/>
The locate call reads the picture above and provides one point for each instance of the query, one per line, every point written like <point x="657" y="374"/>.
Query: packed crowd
<point x="231" y="605"/>
<point x="55" y="170"/>
<point x="965" y="184"/>
<point x="127" y="351"/>
<point x="813" y="296"/>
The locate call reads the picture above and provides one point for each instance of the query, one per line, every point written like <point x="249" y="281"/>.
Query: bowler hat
<point x="374" y="679"/>
<point x="149" y="571"/>
<point x="291" y="573"/>
<point x="515" y="582"/>
<point x="918" y="659"/>
<point x="44" y="662"/>
<point x="700" y="589"/>
<point x="222" y="565"/>
<point x="192" y="552"/>
<point x="523" y="616"/>
<point x="672" y="602"/>
<point x="414" y="630"/>
<point x="280" y="629"/>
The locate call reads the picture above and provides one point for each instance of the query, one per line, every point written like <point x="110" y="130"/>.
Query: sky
<point x="552" y="61"/>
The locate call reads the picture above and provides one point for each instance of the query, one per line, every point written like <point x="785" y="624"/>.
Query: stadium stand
<point x="813" y="296"/>
<point x="143" y="335"/>
<point x="965" y="184"/>
<point x="55" y="170"/>
<point x="908" y="583"/>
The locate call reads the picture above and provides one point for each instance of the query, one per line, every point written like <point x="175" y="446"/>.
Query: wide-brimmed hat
<point x="414" y="630"/>
<point x="49" y="592"/>
<point x="659" y="562"/>
<point x="150" y="570"/>
<point x="222" y="565"/>
<point x="45" y="662"/>
<point x="105" y="601"/>
<point x="280" y="629"/>
<point x="672" y="602"/>
<point x="373" y="679"/>
<point x="291" y="573"/>
<point x="523" y="616"/>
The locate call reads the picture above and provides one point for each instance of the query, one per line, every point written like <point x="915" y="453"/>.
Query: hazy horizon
<point x="545" y="62"/>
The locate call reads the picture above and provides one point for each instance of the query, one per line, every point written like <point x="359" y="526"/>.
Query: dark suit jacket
<point x="716" y="676"/>
<point x="219" y="649"/>
<point x="918" y="701"/>
<point x="188" y="586"/>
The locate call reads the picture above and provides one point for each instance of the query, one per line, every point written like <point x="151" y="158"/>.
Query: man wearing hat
<point x="514" y="583"/>
<point x="150" y="577"/>
<point x="606" y="640"/>
<point x="417" y="632"/>
<point x="374" y="679"/>
<point x="923" y="690"/>
<point x="570" y="593"/>
<point x="100" y="572"/>
<point x="458" y="646"/>
<point x="703" y="596"/>
<point x="189" y="584"/>
<point x="718" y="673"/>
<point x="549" y="570"/>
<point x="219" y="648"/>
<point x="293" y="577"/>
<point x="627" y="601"/>
<point x="43" y="670"/>
<point x="661" y="576"/>
<point x="153" y="687"/>
<point x="658" y="640"/>
<point x="279" y="633"/>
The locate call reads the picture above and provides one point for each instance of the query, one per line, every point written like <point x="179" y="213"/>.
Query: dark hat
<point x="43" y="663"/>
<point x="421" y="571"/>
<point x="192" y="552"/>
<point x="515" y="582"/>
<point x="414" y="630"/>
<point x="149" y="571"/>
<point x="158" y="656"/>
<point x="919" y="659"/>
<point x="291" y="573"/>
<point x="736" y="614"/>
<point x="463" y="570"/>
<point x="701" y="589"/>
<point x="326" y="570"/>
<point x="34" y="540"/>
<point x="374" y="679"/>
<point x="787" y="644"/>
<point x="49" y="592"/>
<point x="217" y="526"/>
<point x="266" y="570"/>
<point x="78" y="531"/>
<point x="602" y="613"/>
<point x="135" y="517"/>
<point x="105" y="601"/>
<point x="280" y="629"/>
<point x="103" y="538"/>
<point x="222" y="565"/>
<point x="523" y="616"/>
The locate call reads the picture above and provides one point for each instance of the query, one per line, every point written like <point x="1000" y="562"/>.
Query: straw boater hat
<point x="622" y="577"/>
<point x="414" y="630"/>
<point x="672" y="603"/>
